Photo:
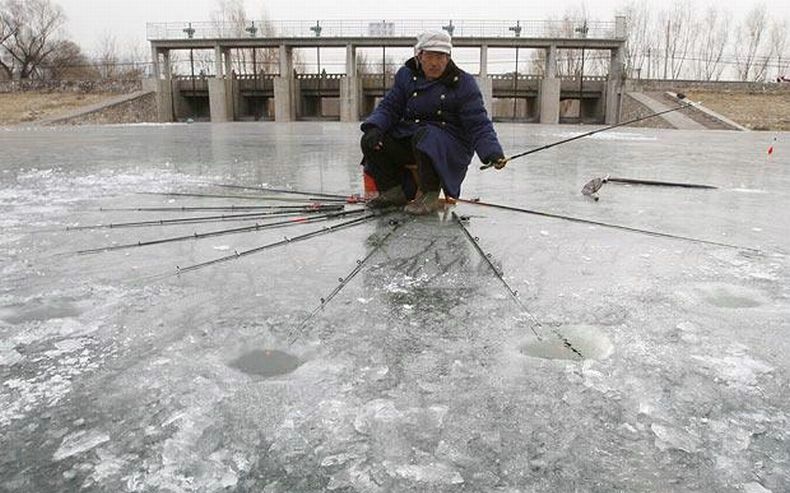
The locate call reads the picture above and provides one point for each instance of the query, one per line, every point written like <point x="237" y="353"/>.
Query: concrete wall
<point x="78" y="86"/>
<point x="688" y="85"/>
<point x="139" y="110"/>
<point x="218" y="100"/>
<point x="164" y="98"/>
<point x="549" y="101"/>
<point x="633" y="109"/>
<point x="350" y="99"/>
<point x="486" y="86"/>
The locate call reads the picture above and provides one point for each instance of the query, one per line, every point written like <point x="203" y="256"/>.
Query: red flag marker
<point x="771" y="148"/>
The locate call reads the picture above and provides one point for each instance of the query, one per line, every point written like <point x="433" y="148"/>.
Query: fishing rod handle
<point x="490" y="165"/>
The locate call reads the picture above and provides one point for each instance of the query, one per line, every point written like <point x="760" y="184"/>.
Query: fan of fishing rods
<point x="333" y="212"/>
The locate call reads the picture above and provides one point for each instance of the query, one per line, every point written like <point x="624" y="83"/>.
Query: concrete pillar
<point x="167" y="68"/>
<point x="218" y="100"/>
<point x="157" y="72"/>
<point x="220" y="88"/>
<point x="350" y="88"/>
<point x="620" y="27"/>
<point x="228" y="63"/>
<point x="231" y="92"/>
<point x="164" y="98"/>
<point x="613" y="87"/>
<point x="485" y="84"/>
<point x="285" y="88"/>
<point x="550" y="90"/>
<point x="218" y="62"/>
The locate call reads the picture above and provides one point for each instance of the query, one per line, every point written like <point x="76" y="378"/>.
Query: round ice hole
<point x="266" y="362"/>
<point x="570" y="342"/>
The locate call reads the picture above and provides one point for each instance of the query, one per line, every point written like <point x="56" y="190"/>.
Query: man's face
<point x="433" y="63"/>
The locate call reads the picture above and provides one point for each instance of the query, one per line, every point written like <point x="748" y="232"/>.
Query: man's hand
<point x="498" y="161"/>
<point x="372" y="140"/>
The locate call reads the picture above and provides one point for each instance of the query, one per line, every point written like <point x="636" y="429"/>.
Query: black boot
<point x="394" y="197"/>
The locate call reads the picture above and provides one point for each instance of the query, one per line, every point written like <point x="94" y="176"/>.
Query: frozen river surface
<point x="422" y="373"/>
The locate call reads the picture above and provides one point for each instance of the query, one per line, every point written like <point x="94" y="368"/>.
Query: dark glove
<point x="498" y="161"/>
<point x="372" y="140"/>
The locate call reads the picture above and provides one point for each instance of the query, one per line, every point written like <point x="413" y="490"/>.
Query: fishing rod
<point x="475" y="241"/>
<point x="343" y="281"/>
<point x="606" y="225"/>
<point x="590" y="189"/>
<point x="243" y="229"/>
<point x="656" y="183"/>
<point x="593" y="132"/>
<point x="295" y="192"/>
<point x="217" y="208"/>
<point x="204" y="219"/>
<point x="241" y="197"/>
<point x="285" y="241"/>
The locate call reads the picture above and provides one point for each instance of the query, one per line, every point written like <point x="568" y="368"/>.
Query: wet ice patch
<point x="725" y="296"/>
<point x="746" y="190"/>
<point x="615" y="136"/>
<point x="590" y="341"/>
<point x="266" y="363"/>
<point x="721" y="295"/>
<point x="38" y="310"/>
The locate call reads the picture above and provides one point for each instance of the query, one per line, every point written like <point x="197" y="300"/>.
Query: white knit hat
<point x="434" y="41"/>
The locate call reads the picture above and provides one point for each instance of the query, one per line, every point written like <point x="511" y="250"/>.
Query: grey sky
<point x="89" y="19"/>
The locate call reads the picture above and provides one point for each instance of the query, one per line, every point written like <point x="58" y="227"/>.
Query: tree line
<point x="34" y="45"/>
<point x="686" y="40"/>
<point x="681" y="40"/>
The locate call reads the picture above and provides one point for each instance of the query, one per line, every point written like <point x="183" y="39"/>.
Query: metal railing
<point x="385" y="29"/>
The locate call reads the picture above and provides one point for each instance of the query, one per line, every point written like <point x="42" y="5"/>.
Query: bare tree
<point x="130" y="58"/>
<point x="751" y="42"/>
<point x="639" y="37"/>
<point x="68" y="62"/>
<point x="106" y="56"/>
<point x="230" y="19"/>
<point x="8" y="28"/>
<point x="778" y="42"/>
<point x="36" y="36"/>
<point x="573" y="24"/>
<point x="714" y="36"/>
<point x="681" y="32"/>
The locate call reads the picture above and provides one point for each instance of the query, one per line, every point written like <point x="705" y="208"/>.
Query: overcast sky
<point x="89" y="19"/>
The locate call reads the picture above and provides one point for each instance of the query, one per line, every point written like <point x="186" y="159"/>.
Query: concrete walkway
<point x="85" y="110"/>
<point x="677" y="119"/>
<point x="712" y="115"/>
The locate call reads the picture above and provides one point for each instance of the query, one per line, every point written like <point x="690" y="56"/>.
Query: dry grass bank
<point x="752" y="110"/>
<point x="21" y="107"/>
